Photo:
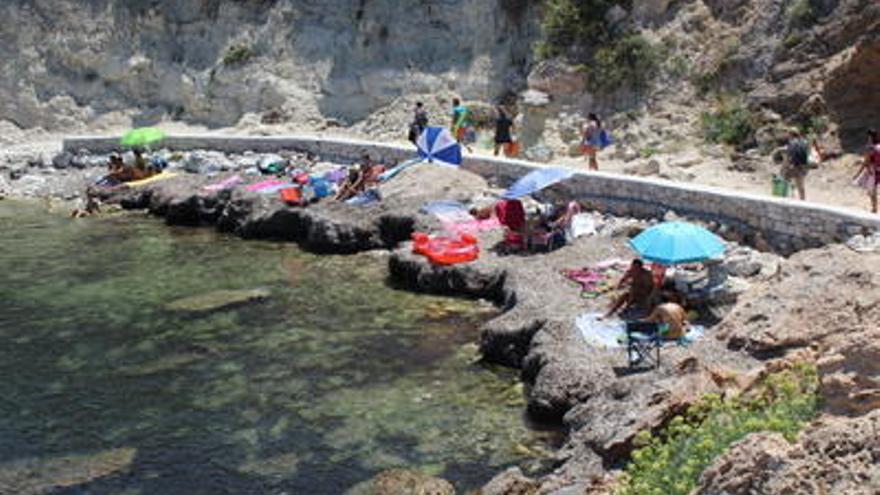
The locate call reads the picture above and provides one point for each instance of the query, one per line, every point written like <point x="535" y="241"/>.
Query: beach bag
<point x="470" y="135"/>
<point x="581" y="224"/>
<point x="814" y="157"/>
<point x="511" y="149"/>
<point x="605" y="139"/>
<point x="321" y="187"/>
<point x="780" y="186"/>
<point x="291" y="196"/>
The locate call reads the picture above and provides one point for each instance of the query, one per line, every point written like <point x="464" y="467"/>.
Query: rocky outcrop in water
<point x="403" y="482"/>
<point x="217" y="300"/>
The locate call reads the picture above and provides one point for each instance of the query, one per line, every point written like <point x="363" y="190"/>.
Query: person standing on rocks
<point x="503" y="126"/>
<point x="592" y="140"/>
<point x="868" y="175"/>
<point x="461" y="123"/>
<point x="419" y="123"/>
<point x="797" y="158"/>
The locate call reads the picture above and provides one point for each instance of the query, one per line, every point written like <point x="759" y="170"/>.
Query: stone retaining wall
<point x="786" y="225"/>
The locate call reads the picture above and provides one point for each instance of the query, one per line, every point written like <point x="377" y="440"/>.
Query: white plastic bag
<point x="582" y="224"/>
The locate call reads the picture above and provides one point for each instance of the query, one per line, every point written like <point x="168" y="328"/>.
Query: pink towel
<point x="223" y="184"/>
<point x="266" y="184"/>
<point x="472" y="226"/>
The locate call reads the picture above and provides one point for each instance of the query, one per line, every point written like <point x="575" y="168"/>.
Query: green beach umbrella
<point x="142" y="136"/>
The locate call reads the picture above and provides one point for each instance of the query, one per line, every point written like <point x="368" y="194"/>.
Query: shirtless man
<point x="641" y="287"/>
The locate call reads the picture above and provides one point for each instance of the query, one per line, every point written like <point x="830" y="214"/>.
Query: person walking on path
<point x="503" y="126"/>
<point x="592" y="140"/>
<point x="868" y="175"/>
<point x="419" y="123"/>
<point x="461" y="123"/>
<point x="797" y="157"/>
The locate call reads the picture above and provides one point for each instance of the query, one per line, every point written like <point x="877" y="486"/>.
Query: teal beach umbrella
<point x="142" y="136"/>
<point x="672" y="243"/>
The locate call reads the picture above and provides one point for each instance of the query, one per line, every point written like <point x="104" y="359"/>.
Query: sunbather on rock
<point x="673" y="315"/>
<point x="641" y="288"/>
<point x="353" y="184"/>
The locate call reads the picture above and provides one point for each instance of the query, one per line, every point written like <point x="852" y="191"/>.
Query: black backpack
<point x="798" y="152"/>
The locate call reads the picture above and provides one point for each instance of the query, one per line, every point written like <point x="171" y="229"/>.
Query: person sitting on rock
<point x="358" y="177"/>
<point x="141" y="169"/>
<point x="674" y="316"/>
<point x="641" y="288"/>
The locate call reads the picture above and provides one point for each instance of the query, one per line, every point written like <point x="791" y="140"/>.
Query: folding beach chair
<point x="643" y="343"/>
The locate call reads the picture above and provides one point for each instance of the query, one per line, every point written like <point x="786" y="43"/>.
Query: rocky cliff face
<point x="68" y="62"/>
<point x="311" y="63"/>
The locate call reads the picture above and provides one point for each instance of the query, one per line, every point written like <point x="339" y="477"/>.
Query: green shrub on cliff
<point x="629" y="62"/>
<point x="801" y="14"/>
<point x="671" y="462"/>
<point x="614" y="55"/>
<point x="731" y="123"/>
<point x="569" y="25"/>
<point x="237" y="53"/>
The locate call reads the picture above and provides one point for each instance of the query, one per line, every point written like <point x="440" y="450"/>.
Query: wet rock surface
<point x="217" y="300"/>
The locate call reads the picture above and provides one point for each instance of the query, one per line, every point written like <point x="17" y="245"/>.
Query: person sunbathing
<point x="673" y="315"/>
<point x="563" y="214"/>
<point x="641" y="288"/>
<point x="353" y="184"/>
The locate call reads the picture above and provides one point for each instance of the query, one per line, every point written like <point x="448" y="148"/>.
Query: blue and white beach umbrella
<point x="536" y="180"/>
<point x="436" y="145"/>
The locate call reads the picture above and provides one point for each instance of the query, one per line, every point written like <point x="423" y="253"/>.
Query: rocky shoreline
<point x="601" y="403"/>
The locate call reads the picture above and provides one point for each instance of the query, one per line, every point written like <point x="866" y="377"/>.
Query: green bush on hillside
<point x="801" y="14"/>
<point x="237" y="53"/>
<point x="629" y="62"/>
<point x="732" y="123"/>
<point x="815" y="125"/>
<point x="671" y="462"/>
<point x="574" y="23"/>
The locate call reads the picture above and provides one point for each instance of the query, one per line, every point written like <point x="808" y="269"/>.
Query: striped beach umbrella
<point x="436" y="145"/>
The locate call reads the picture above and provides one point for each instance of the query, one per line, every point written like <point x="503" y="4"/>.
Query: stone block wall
<point x="785" y="225"/>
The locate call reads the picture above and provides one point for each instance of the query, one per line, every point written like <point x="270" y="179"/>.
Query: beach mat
<point x="597" y="279"/>
<point x="227" y="183"/>
<point x="149" y="180"/>
<point x="610" y="333"/>
<point x="271" y="185"/>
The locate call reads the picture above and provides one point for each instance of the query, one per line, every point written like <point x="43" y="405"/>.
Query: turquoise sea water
<point x="332" y="379"/>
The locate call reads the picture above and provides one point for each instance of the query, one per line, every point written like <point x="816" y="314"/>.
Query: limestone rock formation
<point x="838" y="297"/>
<point x="65" y="63"/>
<point x="851" y="375"/>
<point x="837" y="455"/>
